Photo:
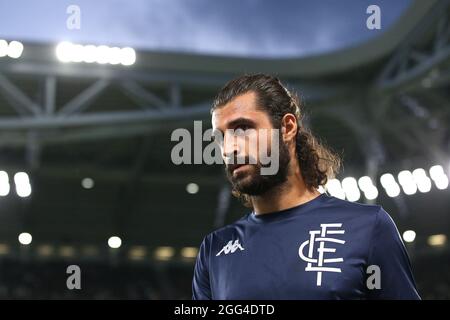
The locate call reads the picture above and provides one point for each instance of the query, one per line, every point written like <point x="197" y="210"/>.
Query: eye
<point x="242" y="127"/>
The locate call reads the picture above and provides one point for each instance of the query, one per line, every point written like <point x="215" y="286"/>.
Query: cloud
<point x="234" y="27"/>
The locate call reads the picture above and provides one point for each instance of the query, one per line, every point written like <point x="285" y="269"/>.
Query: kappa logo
<point x="230" y="247"/>
<point x="315" y="254"/>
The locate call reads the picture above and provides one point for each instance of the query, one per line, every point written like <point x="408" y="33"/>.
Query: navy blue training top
<point x="321" y="249"/>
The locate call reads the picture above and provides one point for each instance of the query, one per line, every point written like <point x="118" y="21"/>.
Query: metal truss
<point x="36" y="122"/>
<point x="423" y="51"/>
<point x="421" y="59"/>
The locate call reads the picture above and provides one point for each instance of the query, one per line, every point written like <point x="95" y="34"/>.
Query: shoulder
<point x="370" y="217"/>
<point x="353" y="207"/>
<point x="348" y="209"/>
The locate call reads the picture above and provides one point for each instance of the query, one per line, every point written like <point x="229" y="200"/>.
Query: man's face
<point x="247" y="135"/>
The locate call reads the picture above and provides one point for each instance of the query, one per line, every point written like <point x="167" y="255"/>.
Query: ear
<point x="289" y="127"/>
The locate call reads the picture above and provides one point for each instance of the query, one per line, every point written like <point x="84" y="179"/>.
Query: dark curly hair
<point x="317" y="162"/>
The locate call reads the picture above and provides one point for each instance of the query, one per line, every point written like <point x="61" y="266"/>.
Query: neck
<point x="291" y="193"/>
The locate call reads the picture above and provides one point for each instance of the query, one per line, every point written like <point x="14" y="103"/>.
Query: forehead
<point x="243" y="106"/>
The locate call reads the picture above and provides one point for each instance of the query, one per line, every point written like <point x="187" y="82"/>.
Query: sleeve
<point x="201" y="289"/>
<point x="388" y="252"/>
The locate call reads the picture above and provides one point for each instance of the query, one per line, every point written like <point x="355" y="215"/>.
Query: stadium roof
<point x="383" y="101"/>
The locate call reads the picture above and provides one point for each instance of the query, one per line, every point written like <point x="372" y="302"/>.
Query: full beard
<point x="251" y="182"/>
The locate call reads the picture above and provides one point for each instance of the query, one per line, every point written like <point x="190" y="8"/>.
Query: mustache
<point x="233" y="163"/>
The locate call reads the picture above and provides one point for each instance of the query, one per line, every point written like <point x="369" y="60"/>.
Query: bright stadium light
<point x="89" y="54"/>
<point x="25" y="238"/>
<point x="439" y="177"/>
<point x="77" y="53"/>
<point x="371" y="193"/>
<point x="64" y="51"/>
<point x="437" y="240"/>
<point x="4" y="184"/>
<point x="334" y="187"/>
<point x="351" y="189"/>
<point x="422" y="181"/>
<point x="69" y="52"/>
<point x="45" y="250"/>
<point x="3" y="48"/>
<point x="137" y="253"/>
<point x="87" y="183"/>
<point x="115" y="55"/>
<point x="15" y="49"/>
<point x="23" y="186"/>
<point x="128" y="56"/>
<point x="4" y="249"/>
<point x="164" y="253"/>
<point x="114" y="242"/>
<point x="192" y="188"/>
<point x="367" y="187"/>
<point x="409" y="235"/>
<point x="67" y="251"/>
<point x="189" y="252"/>
<point x="406" y="180"/>
<point x="389" y="184"/>
<point x="103" y="55"/>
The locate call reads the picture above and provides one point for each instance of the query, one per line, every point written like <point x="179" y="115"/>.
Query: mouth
<point x="237" y="167"/>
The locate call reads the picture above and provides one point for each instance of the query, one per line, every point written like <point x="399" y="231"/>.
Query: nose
<point x="230" y="146"/>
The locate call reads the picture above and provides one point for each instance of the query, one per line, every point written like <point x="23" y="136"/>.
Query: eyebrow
<point x="238" y="121"/>
<point x="241" y="121"/>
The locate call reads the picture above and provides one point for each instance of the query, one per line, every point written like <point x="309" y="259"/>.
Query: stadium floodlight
<point x="4" y="184"/>
<point x="70" y="52"/>
<point x="87" y="183"/>
<point x="115" y="55"/>
<point x="3" y="48"/>
<point x="406" y="180"/>
<point x="164" y="253"/>
<point x="409" y="235"/>
<point x="422" y="181"/>
<point x="23" y="186"/>
<point x="45" y="250"/>
<point x="192" y="188"/>
<point x="437" y="240"/>
<point x="67" y="251"/>
<point x="439" y="177"/>
<point x="4" y="249"/>
<point x="137" y="253"/>
<point x="89" y="54"/>
<point x="189" y="252"/>
<point x="14" y="49"/>
<point x="351" y="189"/>
<point x="114" y="242"/>
<point x="389" y="184"/>
<point x="334" y="187"/>
<point x="64" y="51"/>
<point x="25" y="238"/>
<point x="103" y="55"/>
<point x="77" y="53"/>
<point x="128" y="56"/>
<point x="371" y="193"/>
<point x="368" y="188"/>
